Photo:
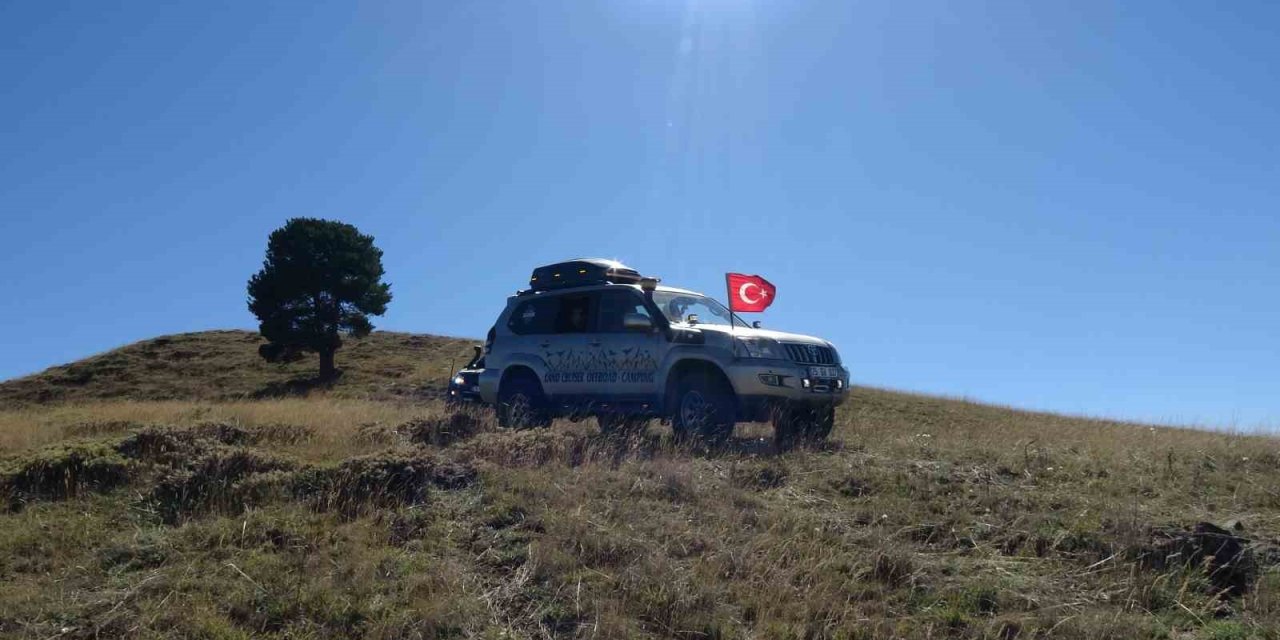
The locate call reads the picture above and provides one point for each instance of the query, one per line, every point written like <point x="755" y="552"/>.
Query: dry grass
<point x="335" y="421"/>
<point x="223" y="365"/>
<point x="343" y="514"/>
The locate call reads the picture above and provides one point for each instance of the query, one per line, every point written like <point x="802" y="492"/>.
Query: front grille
<point x="811" y="353"/>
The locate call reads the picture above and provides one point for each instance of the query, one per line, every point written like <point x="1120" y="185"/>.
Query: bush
<point x="177" y="447"/>
<point x="60" y="472"/>
<point x="441" y="432"/>
<point x="380" y="480"/>
<point x="213" y="482"/>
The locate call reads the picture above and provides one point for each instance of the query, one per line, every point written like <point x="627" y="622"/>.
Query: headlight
<point x="760" y="348"/>
<point x="458" y="381"/>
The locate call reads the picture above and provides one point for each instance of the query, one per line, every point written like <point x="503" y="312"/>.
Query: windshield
<point x="677" y="307"/>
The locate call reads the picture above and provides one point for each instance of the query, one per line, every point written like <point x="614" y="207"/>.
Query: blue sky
<point x="1066" y="206"/>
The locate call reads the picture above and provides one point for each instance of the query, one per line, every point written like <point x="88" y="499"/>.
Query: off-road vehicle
<point x="464" y="385"/>
<point x="593" y="337"/>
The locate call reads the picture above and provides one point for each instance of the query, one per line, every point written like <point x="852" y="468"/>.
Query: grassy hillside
<point x="223" y="365"/>
<point x="167" y="495"/>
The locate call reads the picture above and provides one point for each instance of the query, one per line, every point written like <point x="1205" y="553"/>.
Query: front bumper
<point x="462" y="396"/>
<point x="466" y="392"/>
<point x="765" y="384"/>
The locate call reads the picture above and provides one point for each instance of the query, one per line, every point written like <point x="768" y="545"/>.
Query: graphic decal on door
<point x="633" y="365"/>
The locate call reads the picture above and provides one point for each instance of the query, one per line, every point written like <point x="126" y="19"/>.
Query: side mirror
<point x="637" y="322"/>
<point x="755" y="324"/>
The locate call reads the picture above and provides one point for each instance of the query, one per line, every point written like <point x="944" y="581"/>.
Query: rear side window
<point x="575" y="314"/>
<point x="534" y="316"/>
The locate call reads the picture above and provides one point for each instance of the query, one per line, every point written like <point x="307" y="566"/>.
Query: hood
<point x="780" y="336"/>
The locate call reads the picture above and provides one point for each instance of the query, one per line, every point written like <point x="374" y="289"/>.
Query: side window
<point x="573" y="314"/>
<point x="614" y="306"/>
<point x="534" y="316"/>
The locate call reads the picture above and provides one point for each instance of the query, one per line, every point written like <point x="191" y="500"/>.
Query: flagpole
<point x="728" y="297"/>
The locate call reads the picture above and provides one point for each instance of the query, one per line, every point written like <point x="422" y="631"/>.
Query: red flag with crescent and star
<point x="749" y="293"/>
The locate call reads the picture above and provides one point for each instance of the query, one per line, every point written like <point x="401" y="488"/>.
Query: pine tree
<point x="321" y="280"/>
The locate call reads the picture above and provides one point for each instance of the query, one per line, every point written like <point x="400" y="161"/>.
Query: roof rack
<point x="581" y="272"/>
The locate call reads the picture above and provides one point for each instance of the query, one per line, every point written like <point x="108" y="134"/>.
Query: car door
<point x="567" y="350"/>
<point x="627" y="358"/>
<point x="532" y="324"/>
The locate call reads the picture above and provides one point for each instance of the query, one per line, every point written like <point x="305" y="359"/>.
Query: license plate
<point x="829" y="373"/>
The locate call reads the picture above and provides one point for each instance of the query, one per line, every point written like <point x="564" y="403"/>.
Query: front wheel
<point x="521" y="404"/>
<point x="703" y="409"/>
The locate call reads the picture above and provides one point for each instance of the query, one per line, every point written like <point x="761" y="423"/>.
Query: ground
<point x="180" y="487"/>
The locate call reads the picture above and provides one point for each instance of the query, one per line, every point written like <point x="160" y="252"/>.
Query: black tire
<point x="704" y="408"/>
<point x="620" y="423"/>
<point x="521" y="403"/>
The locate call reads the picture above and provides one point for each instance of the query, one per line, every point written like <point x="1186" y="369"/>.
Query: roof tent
<point x="582" y="272"/>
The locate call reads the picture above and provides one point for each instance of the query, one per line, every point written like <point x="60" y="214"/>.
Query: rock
<point x="1225" y="557"/>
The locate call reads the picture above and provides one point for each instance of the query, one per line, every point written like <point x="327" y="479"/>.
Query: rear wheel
<point x="521" y="403"/>
<point x="703" y="408"/>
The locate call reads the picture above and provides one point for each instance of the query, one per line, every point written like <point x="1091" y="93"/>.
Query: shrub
<point x="380" y="480"/>
<point x="441" y="432"/>
<point x="61" y="472"/>
<point x="176" y="447"/>
<point x="211" y="482"/>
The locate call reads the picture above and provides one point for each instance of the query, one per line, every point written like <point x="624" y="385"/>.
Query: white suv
<point x="593" y="338"/>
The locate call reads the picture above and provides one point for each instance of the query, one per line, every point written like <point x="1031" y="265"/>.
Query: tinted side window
<point x="574" y="314"/>
<point x="614" y="305"/>
<point x="534" y="316"/>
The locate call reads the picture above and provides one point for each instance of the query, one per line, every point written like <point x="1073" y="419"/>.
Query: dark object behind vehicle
<point x="464" y="386"/>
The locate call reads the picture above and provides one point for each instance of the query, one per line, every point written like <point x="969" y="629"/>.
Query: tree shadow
<point x="297" y="386"/>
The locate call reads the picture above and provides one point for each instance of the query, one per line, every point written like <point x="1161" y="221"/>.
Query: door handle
<point x="593" y="343"/>
<point x="544" y="345"/>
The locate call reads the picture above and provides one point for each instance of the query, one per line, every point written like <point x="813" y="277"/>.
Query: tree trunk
<point x="326" y="364"/>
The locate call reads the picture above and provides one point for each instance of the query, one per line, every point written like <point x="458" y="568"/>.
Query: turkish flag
<point x="749" y="293"/>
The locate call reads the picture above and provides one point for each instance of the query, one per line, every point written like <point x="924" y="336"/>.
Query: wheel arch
<point x="684" y="367"/>
<point x="518" y="371"/>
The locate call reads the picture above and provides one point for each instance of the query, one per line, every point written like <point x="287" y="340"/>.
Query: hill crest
<point x="224" y="365"/>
